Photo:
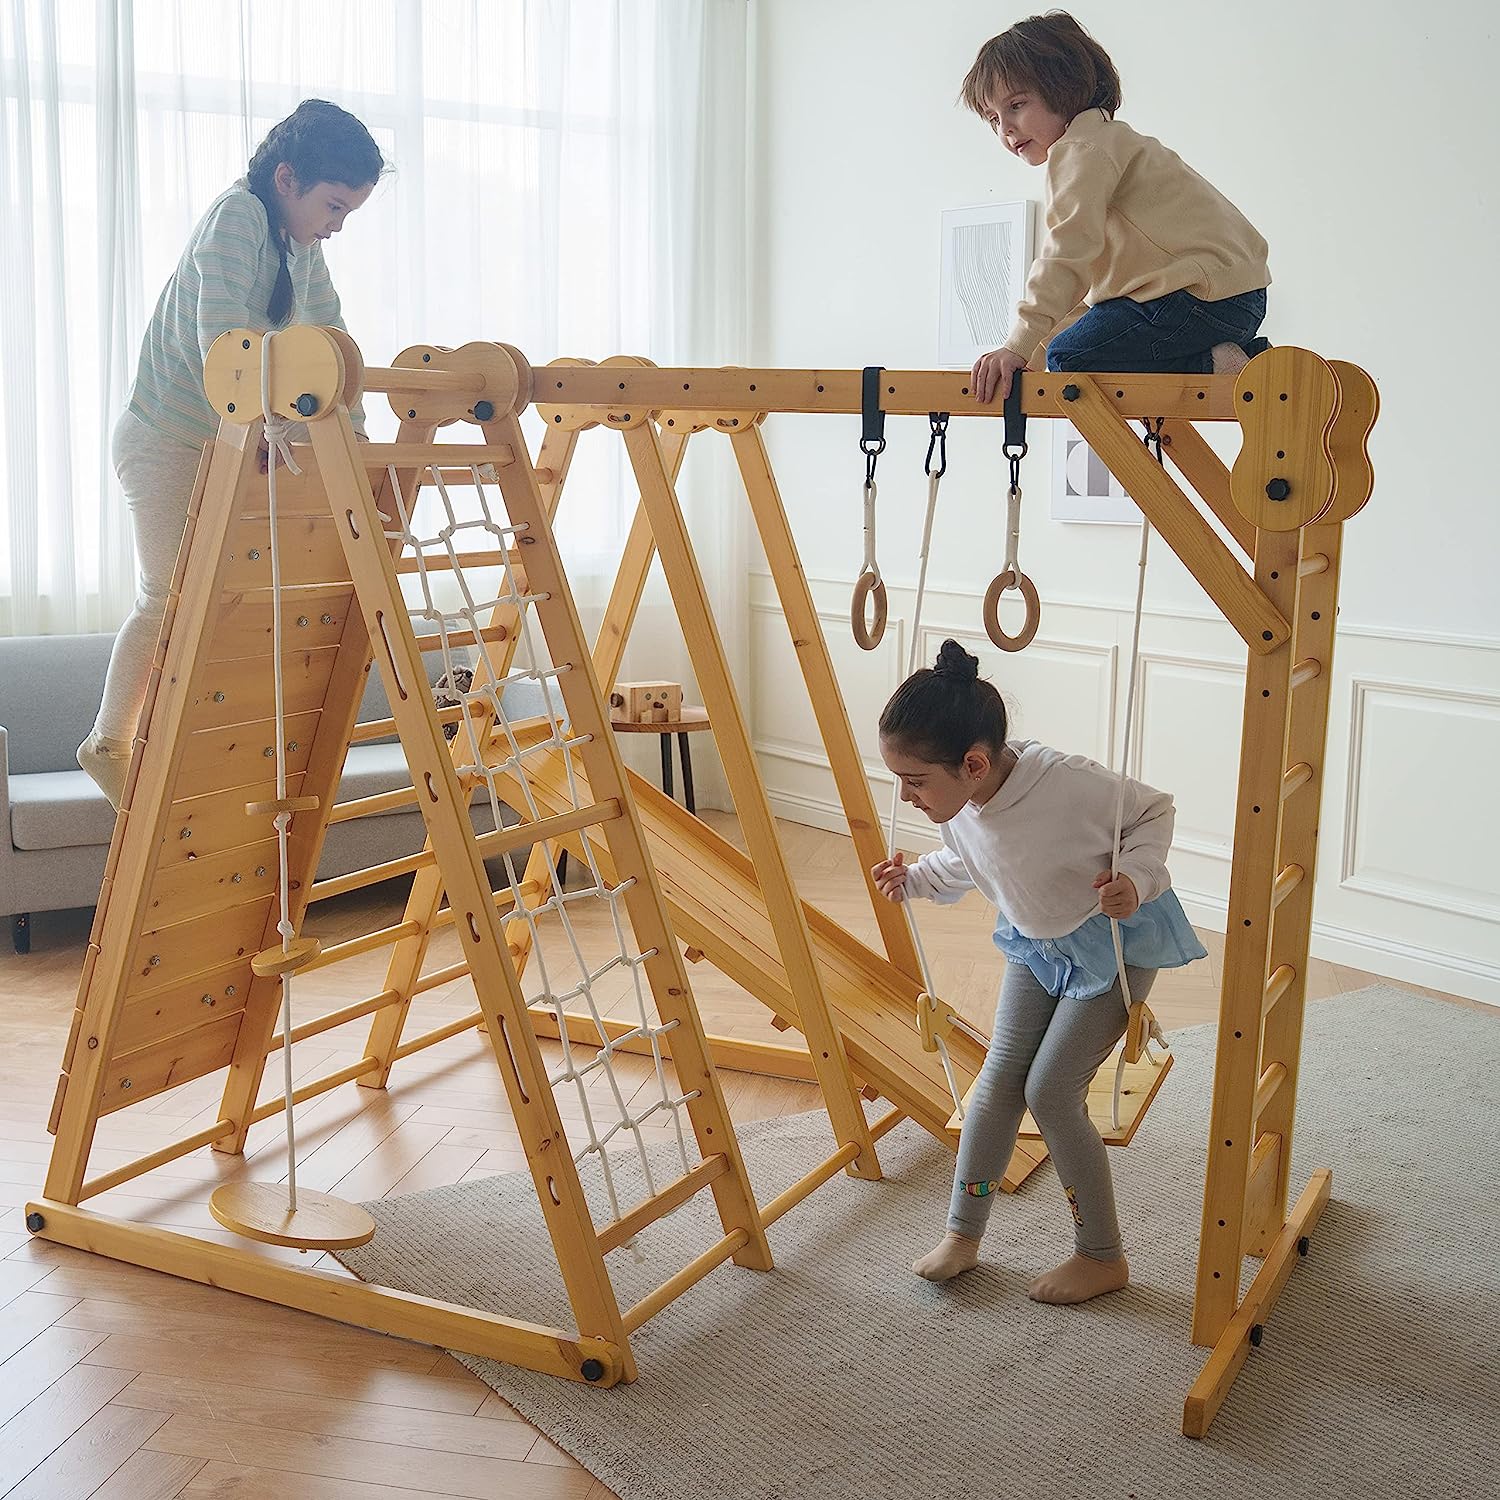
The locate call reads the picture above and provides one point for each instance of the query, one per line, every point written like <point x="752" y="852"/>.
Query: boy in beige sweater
<point x="1144" y="265"/>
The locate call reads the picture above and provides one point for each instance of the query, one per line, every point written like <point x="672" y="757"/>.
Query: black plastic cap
<point x="592" y="1369"/>
<point x="1257" y="1333"/>
<point x="1302" y="1245"/>
<point x="484" y="411"/>
<point x="307" y="404"/>
<point x="35" y="1223"/>
<point x="1071" y="393"/>
<point x="1278" y="489"/>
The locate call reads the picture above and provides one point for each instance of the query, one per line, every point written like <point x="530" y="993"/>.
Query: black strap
<point x="1015" y="419"/>
<point x="872" y="434"/>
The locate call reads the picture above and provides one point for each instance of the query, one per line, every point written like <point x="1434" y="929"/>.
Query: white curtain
<point x="569" y="176"/>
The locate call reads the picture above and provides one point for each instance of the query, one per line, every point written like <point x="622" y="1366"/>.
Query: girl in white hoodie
<point x="1033" y="830"/>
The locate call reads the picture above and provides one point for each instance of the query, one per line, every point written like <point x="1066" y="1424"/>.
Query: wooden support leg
<point x="1243" y="1331"/>
<point x="685" y="754"/>
<point x="695" y="617"/>
<point x="802" y="620"/>
<point x="1246" y="950"/>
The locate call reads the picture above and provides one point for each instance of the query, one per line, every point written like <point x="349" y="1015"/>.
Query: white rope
<point x="934" y="480"/>
<point x="497" y="752"/>
<point x="279" y="451"/>
<point x="1013" y="531"/>
<point x="1114" y="863"/>
<point x="871" y="565"/>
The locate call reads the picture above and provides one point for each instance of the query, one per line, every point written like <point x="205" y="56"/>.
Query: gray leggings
<point x="157" y="473"/>
<point x="1043" y="1055"/>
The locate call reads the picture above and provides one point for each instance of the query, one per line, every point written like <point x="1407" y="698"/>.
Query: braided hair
<point x="941" y="712"/>
<point x="320" y="143"/>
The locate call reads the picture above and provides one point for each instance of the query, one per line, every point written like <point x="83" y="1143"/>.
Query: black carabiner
<point x="937" y="443"/>
<point x="872" y="431"/>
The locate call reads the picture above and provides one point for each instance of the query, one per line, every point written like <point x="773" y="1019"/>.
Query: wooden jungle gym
<point x="188" y="962"/>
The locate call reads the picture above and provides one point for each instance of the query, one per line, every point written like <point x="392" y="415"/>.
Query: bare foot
<point x="953" y="1254"/>
<point x="1229" y="359"/>
<point x="1078" y="1279"/>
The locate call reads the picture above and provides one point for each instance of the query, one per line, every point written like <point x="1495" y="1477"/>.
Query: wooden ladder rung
<point x="297" y="954"/>
<point x="629" y="1225"/>
<point x="1305" y="670"/>
<point x="1295" y="779"/>
<point x="441" y="562"/>
<point x="1315" y="562"/>
<point x="1286" y="882"/>
<point x="1276" y="986"/>
<point x="492" y="634"/>
<point x="429" y="455"/>
<point x="1270" y="1084"/>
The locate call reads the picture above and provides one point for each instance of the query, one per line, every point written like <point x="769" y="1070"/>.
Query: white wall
<point x="1360" y="138"/>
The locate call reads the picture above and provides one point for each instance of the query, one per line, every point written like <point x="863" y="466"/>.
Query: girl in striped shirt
<point x="255" y="260"/>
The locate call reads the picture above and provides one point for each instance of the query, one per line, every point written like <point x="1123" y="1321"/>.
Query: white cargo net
<point x="497" y="752"/>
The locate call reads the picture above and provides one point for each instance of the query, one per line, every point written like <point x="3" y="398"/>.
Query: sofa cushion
<point x="50" y="687"/>
<point x="58" y="810"/>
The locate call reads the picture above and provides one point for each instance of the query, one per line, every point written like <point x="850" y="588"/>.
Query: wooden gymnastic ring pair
<point x="1011" y="579"/>
<point x="867" y="636"/>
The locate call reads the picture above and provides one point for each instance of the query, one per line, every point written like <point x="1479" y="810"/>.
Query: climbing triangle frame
<point x="167" y="995"/>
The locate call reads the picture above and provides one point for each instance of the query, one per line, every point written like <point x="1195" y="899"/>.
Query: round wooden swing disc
<point x="258" y="1210"/>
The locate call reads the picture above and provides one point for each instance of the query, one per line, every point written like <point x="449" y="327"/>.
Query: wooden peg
<point x="280" y="805"/>
<point x="693" y="955"/>
<point x="297" y="955"/>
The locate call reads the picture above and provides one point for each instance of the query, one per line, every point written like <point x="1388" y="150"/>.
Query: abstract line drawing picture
<point x="986" y="258"/>
<point x="1083" y="489"/>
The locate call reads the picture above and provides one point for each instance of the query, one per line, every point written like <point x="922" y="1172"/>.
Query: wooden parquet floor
<point x="121" y="1384"/>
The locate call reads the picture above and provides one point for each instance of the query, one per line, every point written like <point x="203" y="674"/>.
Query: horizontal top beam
<point x="1204" y="398"/>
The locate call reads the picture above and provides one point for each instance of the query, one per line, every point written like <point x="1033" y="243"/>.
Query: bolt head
<point x="255" y="554"/>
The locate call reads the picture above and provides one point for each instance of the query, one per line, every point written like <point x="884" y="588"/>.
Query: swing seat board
<point x="1142" y="1080"/>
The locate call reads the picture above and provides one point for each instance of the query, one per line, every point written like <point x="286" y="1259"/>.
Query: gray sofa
<point x="55" y="824"/>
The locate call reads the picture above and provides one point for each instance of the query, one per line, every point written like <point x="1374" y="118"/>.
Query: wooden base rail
<point x="383" y="1309"/>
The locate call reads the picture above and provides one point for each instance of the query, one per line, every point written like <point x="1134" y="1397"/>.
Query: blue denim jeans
<point x="1174" y="334"/>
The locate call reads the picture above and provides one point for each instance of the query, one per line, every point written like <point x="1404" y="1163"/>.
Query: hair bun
<point x="954" y="661"/>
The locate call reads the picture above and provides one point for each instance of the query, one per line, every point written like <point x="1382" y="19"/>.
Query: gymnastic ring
<point x="1010" y="579"/>
<point x="868" y="636"/>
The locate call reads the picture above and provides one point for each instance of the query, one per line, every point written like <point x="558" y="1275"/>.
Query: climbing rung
<point x="1316" y="562"/>
<point x="440" y="562"/>
<point x="1276" y="986"/>
<point x="379" y="729"/>
<point x="1270" y="1083"/>
<point x="1305" y="671"/>
<point x="1286" y="882"/>
<point x="425" y="455"/>
<point x="490" y="845"/>
<point x="1298" y="776"/>
<point x="492" y="634"/>
<point x="297" y="954"/>
<point x="658" y="1207"/>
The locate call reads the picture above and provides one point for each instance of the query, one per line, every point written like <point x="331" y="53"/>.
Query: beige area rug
<point x="840" y="1374"/>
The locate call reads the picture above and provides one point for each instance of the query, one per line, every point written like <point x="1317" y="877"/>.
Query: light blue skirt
<point x="1082" y="964"/>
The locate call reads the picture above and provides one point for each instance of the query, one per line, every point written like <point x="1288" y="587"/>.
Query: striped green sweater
<point x="224" y="280"/>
